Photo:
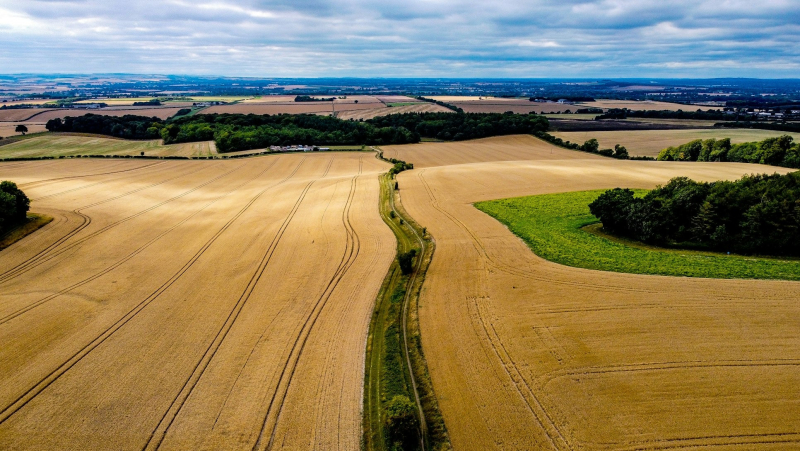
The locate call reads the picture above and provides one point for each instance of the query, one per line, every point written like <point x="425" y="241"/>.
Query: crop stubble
<point x="191" y="305"/>
<point x="528" y="354"/>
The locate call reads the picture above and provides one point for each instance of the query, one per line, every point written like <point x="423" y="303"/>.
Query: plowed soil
<point x="200" y="305"/>
<point x="289" y="108"/>
<point x="528" y="354"/>
<point x="162" y="113"/>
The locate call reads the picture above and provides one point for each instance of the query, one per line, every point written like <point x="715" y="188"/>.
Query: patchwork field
<point x="191" y="304"/>
<point x="384" y="111"/>
<point x="290" y="108"/>
<point x="650" y="142"/>
<point x="159" y="112"/>
<point x="529" y="354"/>
<point x="20" y="114"/>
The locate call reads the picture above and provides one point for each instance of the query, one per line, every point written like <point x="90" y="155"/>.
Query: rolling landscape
<point x="337" y="226"/>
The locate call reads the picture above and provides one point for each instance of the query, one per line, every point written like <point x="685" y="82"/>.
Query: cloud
<point x="394" y="38"/>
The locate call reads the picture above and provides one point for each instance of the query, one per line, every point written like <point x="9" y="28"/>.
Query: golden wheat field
<point x="199" y="305"/>
<point x="290" y="108"/>
<point x="20" y="114"/>
<point x="650" y="142"/>
<point x="500" y="148"/>
<point x="525" y="354"/>
<point x="9" y="128"/>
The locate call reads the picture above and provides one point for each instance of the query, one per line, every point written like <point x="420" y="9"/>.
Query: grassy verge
<point x="395" y="364"/>
<point x="34" y="223"/>
<point x="554" y="227"/>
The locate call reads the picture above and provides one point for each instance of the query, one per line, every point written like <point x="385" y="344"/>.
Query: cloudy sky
<point x="401" y="38"/>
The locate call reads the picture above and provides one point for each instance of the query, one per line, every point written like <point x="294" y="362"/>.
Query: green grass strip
<point x="552" y="226"/>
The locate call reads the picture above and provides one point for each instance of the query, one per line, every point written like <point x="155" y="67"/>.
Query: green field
<point x="403" y="103"/>
<point x="552" y="226"/>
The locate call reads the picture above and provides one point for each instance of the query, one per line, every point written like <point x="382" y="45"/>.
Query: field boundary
<point x="34" y="222"/>
<point x="553" y="226"/>
<point x="385" y="320"/>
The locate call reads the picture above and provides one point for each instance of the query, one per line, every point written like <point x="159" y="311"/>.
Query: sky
<point x="404" y="38"/>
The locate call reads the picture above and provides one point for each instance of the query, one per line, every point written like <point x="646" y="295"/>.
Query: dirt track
<point x="191" y="305"/>
<point x="528" y="354"/>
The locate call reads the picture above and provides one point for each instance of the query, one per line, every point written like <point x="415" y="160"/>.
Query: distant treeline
<point x="14" y="206"/>
<point x="777" y="151"/>
<point x="153" y="102"/>
<point x="313" y="99"/>
<point x="459" y="127"/>
<point x="233" y="132"/>
<point x="710" y="115"/>
<point x="567" y="98"/>
<point x="590" y="146"/>
<point x="793" y="127"/>
<point x="758" y="214"/>
<point x="449" y="106"/>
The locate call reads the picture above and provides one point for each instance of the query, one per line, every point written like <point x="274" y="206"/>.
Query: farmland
<point x="501" y="148"/>
<point x="650" y="142"/>
<point x="290" y="108"/>
<point x="159" y="112"/>
<point x="50" y="145"/>
<point x="553" y="227"/>
<point x="644" y="105"/>
<point x="259" y="277"/>
<point x="525" y="353"/>
<point x="418" y="107"/>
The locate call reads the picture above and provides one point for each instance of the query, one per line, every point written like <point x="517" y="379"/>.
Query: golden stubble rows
<point x="528" y="354"/>
<point x="191" y="305"/>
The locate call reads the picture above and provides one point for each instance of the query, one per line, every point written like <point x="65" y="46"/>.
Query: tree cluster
<point x="313" y="99"/>
<point x="624" y="113"/>
<point x="777" y="151"/>
<point x="792" y="127"/>
<point x="152" y="102"/>
<point x="128" y="126"/>
<point x="758" y="214"/>
<point x="14" y="206"/>
<point x="589" y="146"/>
<point x="459" y="127"/>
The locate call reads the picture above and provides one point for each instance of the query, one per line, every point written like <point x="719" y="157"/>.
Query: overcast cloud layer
<point x="400" y="38"/>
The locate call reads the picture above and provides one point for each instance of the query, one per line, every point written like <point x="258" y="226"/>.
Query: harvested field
<point x="498" y="148"/>
<point x="529" y="354"/>
<point x="385" y="111"/>
<point x="191" y="304"/>
<point x="19" y="114"/>
<point x="56" y="144"/>
<point x="162" y="113"/>
<point x="644" y="105"/>
<point x="7" y="129"/>
<point x="289" y="108"/>
<point x="650" y="142"/>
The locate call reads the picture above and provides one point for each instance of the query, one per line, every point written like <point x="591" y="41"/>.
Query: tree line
<point x="758" y="214"/>
<point x="459" y="127"/>
<point x="233" y="132"/>
<point x="777" y="151"/>
<point x="709" y="115"/>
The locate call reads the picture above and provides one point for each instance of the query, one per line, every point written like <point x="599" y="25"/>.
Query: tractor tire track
<point x="266" y="436"/>
<point x="50" y="253"/>
<point x="30" y="394"/>
<point x="159" y="433"/>
<point x="123" y="260"/>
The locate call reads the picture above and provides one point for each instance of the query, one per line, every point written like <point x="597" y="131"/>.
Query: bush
<point x="406" y="261"/>
<point x="402" y="425"/>
<point x="14" y="205"/>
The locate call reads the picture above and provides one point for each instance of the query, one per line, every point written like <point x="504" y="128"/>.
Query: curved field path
<point x="528" y="354"/>
<point x="197" y="305"/>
